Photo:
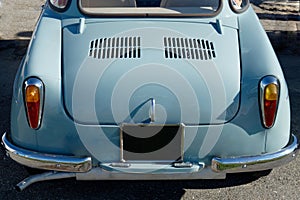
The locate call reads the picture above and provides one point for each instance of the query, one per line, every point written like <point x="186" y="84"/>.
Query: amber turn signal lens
<point x="32" y="94"/>
<point x="271" y="92"/>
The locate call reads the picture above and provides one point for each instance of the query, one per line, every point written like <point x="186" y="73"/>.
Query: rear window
<point x="150" y="7"/>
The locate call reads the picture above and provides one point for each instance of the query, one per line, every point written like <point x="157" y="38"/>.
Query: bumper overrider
<point x="77" y="165"/>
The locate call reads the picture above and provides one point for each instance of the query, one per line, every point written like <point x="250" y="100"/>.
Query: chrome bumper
<point x="219" y="165"/>
<point x="256" y="163"/>
<point x="46" y="161"/>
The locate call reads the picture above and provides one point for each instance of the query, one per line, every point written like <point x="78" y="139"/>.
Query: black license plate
<point x="152" y="142"/>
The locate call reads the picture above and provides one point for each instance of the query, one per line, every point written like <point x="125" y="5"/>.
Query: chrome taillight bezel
<point x="40" y="85"/>
<point x="264" y="82"/>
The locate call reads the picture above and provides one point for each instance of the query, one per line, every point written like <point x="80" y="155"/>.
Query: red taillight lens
<point x="270" y="104"/>
<point x="269" y="100"/>
<point x="61" y="4"/>
<point x="33" y="101"/>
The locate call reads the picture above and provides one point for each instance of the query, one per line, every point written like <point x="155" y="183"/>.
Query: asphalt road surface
<point x="17" y="19"/>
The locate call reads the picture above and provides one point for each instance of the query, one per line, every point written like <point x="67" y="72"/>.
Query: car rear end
<point x="150" y="90"/>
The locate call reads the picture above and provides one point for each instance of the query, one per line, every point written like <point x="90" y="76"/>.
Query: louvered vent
<point x="188" y="48"/>
<point x="119" y="47"/>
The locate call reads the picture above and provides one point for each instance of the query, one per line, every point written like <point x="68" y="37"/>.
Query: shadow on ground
<point x="72" y="189"/>
<point x="287" y="42"/>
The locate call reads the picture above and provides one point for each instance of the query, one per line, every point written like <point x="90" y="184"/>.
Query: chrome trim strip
<point x="182" y="126"/>
<point x="39" y="84"/>
<point x="256" y="163"/>
<point x="46" y="161"/>
<point x="153" y="168"/>
<point x="267" y="80"/>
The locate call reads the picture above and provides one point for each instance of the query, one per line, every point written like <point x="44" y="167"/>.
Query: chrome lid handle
<point x="152" y="110"/>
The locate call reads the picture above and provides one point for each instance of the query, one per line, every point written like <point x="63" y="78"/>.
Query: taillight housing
<point x="269" y="99"/>
<point x="34" y="100"/>
<point x="59" y="4"/>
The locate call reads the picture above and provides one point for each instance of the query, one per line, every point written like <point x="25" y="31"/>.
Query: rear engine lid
<point x="114" y="71"/>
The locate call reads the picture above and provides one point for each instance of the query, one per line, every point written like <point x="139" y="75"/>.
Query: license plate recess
<point x="151" y="142"/>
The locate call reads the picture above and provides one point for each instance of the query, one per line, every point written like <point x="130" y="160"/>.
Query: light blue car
<point x="140" y="89"/>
